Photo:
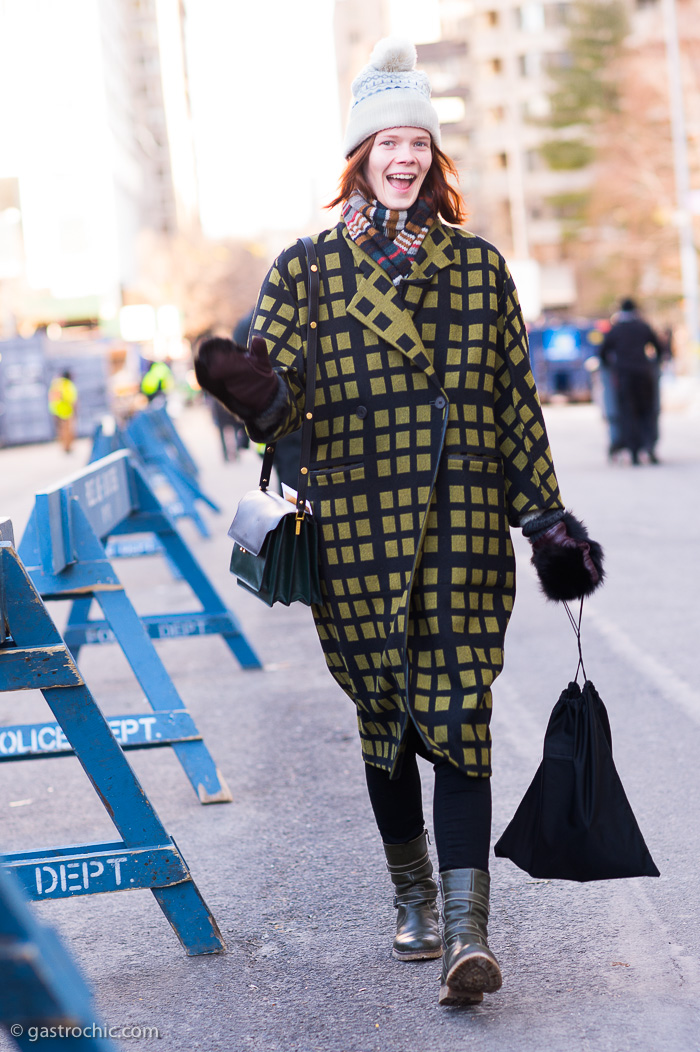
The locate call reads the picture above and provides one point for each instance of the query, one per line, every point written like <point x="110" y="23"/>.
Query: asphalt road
<point x="293" y="869"/>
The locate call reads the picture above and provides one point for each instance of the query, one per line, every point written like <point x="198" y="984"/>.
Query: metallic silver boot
<point x="469" y="969"/>
<point x="417" y="921"/>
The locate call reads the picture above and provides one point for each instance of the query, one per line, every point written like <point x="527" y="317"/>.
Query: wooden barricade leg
<point x="41" y="986"/>
<point x="187" y="493"/>
<point x="78" y="615"/>
<point x="37" y="657"/>
<point x="169" y="435"/>
<point x="208" y="596"/>
<point x="132" y="637"/>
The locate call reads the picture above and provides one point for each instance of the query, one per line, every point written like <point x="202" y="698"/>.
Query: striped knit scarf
<point x="391" y="238"/>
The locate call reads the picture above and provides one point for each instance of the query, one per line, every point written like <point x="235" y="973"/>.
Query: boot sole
<point x="416" y="955"/>
<point x="469" y="979"/>
<point x="457" y="999"/>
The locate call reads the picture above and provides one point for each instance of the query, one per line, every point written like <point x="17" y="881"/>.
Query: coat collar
<point x="439" y="251"/>
<point x="379" y="305"/>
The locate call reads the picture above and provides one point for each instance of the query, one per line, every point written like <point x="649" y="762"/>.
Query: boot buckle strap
<point x="468" y="898"/>
<point x="410" y="899"/>
<point x="399" y="869"/>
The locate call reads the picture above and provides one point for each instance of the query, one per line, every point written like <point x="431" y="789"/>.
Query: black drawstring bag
<point x="575" y="821"/>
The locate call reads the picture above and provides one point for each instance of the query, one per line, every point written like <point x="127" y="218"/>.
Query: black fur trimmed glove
<point x="243" y="381"/>
<point x="568" y="563"/>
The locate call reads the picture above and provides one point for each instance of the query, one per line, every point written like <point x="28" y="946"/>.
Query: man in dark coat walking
<point x="632" y="351"/>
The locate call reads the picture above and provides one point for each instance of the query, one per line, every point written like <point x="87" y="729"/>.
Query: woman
<point x="428" y="442"/>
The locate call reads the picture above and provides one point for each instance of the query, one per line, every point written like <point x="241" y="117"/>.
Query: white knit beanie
<point x="390" y="93"/>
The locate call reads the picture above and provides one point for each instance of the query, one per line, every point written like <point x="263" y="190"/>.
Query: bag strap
<point x="307" y="423"/>
<point x="576" y="625"/>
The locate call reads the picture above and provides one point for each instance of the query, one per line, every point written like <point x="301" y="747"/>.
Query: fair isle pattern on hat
<point x="390" y="93"/>
<point x="392" y="238"/>
<point x="371" y="81"/>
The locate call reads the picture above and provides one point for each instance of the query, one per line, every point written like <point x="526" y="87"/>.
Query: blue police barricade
<point x="153" y="438"/>
<point x="107" y="438"/>
<point x="153" y="434"/>
<point x="34" y="656"/>
<point x="43" y="996"/>
<point x="147" y="522"/>
<point x="160" y="425"/>
<point x="63" y="553"/>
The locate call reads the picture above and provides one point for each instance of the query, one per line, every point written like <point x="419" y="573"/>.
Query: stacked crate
<point x="24" y="409"/>
<point x="27" y="367"/>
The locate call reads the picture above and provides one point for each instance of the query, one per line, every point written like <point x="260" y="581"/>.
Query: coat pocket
<point x="351" y="550"/>
<point x="332" y="474"/>
<point x="478" y="524"/>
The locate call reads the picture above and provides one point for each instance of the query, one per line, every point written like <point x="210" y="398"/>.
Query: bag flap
<point x="257" y="514"/>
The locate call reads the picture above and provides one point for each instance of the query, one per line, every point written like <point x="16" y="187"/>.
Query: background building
<point x="488" y="71"/>
<point x="577" y="236"/>
<point x="95" y="146"/>
<point x="162" y="113"/>
<point x="358" y="25"/>
<point x="496" y="55"/>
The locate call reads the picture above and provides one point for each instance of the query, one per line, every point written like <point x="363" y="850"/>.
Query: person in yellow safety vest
<point x="157" y="381"/>
<point x="63" y="404"/>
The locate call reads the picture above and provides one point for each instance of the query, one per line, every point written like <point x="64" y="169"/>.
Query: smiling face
<point x="397" y="165"/>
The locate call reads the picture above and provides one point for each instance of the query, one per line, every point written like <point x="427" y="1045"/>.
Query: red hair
<point x="444" y="198"/>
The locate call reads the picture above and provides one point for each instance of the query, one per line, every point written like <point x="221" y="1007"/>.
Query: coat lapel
<point x="379" y="305"/>
<point x="439" y="252"/>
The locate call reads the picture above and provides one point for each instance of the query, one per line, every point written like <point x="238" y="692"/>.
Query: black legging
<point x="461" y="811"/>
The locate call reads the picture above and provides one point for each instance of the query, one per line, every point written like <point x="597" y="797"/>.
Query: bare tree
<point x="611" y="113"/>
<point x="213" y="282"/>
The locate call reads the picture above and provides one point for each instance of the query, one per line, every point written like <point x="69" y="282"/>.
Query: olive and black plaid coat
<point x="428" y="442"/>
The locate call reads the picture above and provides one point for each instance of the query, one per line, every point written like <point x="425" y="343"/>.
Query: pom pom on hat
<point x="394" y="55"/>
<point x="390" y="93"/>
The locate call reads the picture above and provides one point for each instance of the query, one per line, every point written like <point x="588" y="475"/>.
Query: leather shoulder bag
<point x="275" y="549"/>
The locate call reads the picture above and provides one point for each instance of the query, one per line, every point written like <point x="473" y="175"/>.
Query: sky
<point x="268" y="127"/>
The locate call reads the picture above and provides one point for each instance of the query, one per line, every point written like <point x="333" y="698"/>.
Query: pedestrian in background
<point x="232" y="433"/>
<point x="632" y="352"/>
<point x="63" y="406"/>
<point x="610" y="408"/>
<point x="428" y="443"/>
<point x="157" y="382"/>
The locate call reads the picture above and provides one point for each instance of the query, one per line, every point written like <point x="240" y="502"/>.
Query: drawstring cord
<point x="576" y="625"/>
